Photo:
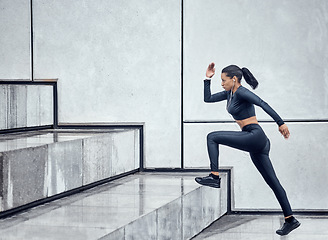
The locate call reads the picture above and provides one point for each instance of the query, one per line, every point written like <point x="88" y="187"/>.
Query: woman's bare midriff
<point x="247" y="121"/>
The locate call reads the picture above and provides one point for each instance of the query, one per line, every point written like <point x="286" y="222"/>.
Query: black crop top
<point x="241" y="105"/>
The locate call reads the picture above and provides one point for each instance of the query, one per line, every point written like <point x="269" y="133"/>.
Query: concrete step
<point x="25" y="105"/>
<point x="40" y="164"/>
<point x="139" y="206"/>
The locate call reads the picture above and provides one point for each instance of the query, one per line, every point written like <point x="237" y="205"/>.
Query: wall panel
<point x="299" y="162"/>
<point x="283" y="43"/>
<point x="15" y="39"/>
<point x="117" y="61"/>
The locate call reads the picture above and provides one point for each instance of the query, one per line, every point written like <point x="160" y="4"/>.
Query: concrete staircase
<point x="40" y="164"/>
<point x="65" y="182"/>
<point x="140" y="206"/>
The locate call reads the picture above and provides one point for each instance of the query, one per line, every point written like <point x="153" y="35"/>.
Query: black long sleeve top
<point x="241" y="104"/>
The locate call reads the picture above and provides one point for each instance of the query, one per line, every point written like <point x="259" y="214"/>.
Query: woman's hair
<point x="233" y="70"/>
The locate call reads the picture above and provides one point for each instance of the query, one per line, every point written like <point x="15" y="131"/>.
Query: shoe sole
<point x="293" y="228"/>
<point x="213" y="185"/>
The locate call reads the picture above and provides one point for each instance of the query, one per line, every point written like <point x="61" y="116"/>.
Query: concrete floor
<point x="263" y="227"/>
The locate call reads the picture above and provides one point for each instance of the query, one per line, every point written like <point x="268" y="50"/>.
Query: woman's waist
<point x="247" y="121"/>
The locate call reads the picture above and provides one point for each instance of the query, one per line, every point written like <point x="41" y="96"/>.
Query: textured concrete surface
<point x="96" y="158"/>
<point x="295" y="160"/>
<point x="25" y="106"/>
<point x="288" y="56"/>
<point x="123" y="152"/>
<point x="114" y="64"/>
<point x="22" y="176"/>
<point x="65" y="169"/>
<point x="109" y="52"/>
<point x="35" y="165"/>
<point x="259" y="227"/>
<point x="15" y="39"/>
<point x="140" y="206"/>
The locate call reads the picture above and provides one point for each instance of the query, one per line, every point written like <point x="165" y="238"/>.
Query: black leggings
<point x="253" y="140"/>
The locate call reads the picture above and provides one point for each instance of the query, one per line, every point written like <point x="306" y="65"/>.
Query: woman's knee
<point x="211" y="136"/>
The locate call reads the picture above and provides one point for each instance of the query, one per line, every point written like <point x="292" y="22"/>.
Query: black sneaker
<point x="209" y="181"/>
<point x="288" y="227"/>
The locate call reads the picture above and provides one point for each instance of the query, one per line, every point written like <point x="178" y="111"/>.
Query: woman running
<point x="251" y="138"/>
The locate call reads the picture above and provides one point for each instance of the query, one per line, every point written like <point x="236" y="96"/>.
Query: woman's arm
<point x="208" y="97"/>
<point x="256" y="100"/>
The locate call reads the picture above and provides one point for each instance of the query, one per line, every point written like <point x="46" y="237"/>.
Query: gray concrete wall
<point x="117" y="61"/>
<point x="284" y="44"/>
<point x="299" y="162"/>
<point x="15" y="39"/>
<point x="120" y="62"/>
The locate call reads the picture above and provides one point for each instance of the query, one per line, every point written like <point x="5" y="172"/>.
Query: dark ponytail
<point x="233" y="70"/>
<point x="250" y="79"/>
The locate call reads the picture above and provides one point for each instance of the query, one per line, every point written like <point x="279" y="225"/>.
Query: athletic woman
<point x="251" y="138"/>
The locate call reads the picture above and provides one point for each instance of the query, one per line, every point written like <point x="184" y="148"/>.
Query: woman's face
<point x="227" y="82"/>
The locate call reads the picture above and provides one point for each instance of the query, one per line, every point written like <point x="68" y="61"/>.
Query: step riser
<point x="25" y="106"/>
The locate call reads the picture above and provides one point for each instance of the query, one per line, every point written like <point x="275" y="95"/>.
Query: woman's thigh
<point x="243" y="140"/>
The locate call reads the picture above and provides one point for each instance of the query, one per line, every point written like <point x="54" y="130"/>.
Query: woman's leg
<point x="241" y="140"/>
<point x="255" y="142"/>
<point x="246" y="141"/>
<point x="264" y="166"/>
